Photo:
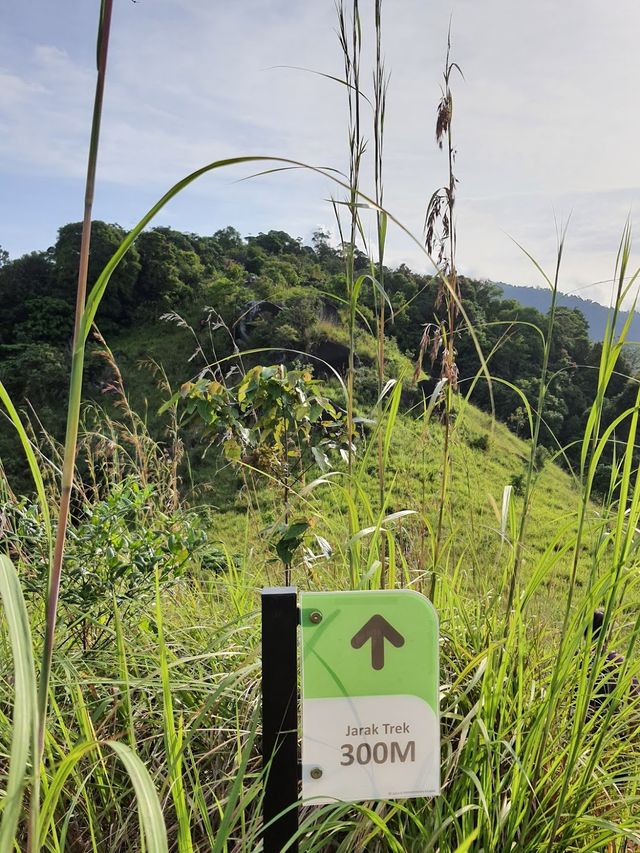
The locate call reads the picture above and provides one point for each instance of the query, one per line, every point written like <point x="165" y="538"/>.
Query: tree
<point x="45" y="319"/>
<point x="570" y="337"/>
<point x="36" y="372"/>
<point x="170" y="270"/>
<point x="229" y="239"/>
<point x="277" y="243"/>
<point x="277" y="421"/>
<point x="209" y="251"/>
<point x="120" y="296"/>
<point x="325" y="252"/>
<point x="27" y="278"/>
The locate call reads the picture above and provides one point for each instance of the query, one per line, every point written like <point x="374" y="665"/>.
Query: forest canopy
<point x="272" y="292"/>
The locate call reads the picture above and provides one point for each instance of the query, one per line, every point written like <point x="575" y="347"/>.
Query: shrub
<point x="518" y="483"/>
<point x="115" y="553"/>
<point x="479" y="442"/>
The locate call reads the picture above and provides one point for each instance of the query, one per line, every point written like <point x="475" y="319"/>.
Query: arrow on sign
<point x="377" y="629"/>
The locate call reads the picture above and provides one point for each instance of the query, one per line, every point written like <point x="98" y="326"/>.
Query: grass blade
<point x="149" y="808"/>
<point x="25" y="707"/>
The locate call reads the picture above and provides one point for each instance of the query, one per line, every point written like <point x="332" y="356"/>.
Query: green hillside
<point x="184" y="304"/>
<point x="477" y="551"/>
<point x="281" y="301"/>
<point x="486" y="458"/>
<point x="222" y="449"/>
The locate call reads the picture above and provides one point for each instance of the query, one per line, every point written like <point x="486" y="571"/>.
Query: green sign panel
<point x="370" y="721"/>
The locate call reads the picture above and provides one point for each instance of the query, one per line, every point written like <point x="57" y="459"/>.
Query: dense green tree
<point x="22" y="281"/>
<point x="120" y="297"/>
<point x="170" y="269"/>
<point x="255" y="258"/>
<point x="293" y="325"/>
<point x="570" y="337"/>
<point x="229" y="239"/>
<point x="37" y="373"/>
<point x="209" y="252"/>
<point x="325" y="252"/>
<point x="271" y="293"/>
<point x="46" y="318"/>
<point x="276" y="243"/>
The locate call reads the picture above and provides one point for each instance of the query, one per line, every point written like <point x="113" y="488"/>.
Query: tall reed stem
<point x="380" y="82"/>
<point x="75" y="390"/>
<point x="351" y="44"/>
<point x="542" y="393"/>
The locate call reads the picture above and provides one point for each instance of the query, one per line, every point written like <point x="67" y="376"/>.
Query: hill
<point x="594" y="313"/>
<point x="279" y="301"/>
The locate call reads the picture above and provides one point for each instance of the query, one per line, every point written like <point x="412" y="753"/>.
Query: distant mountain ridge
<point x="595" y="314"/>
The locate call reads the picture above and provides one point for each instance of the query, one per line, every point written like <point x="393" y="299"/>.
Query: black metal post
<point x="280" y="717"/>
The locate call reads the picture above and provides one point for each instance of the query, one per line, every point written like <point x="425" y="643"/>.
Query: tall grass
<point x="75" y="390"/>
<point x="380" y="85"/>
<point x="30" y="718"/>
<point x="441" y="238"/>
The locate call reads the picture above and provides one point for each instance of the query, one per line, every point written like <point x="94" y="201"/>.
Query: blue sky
<point x="545" y="122"/>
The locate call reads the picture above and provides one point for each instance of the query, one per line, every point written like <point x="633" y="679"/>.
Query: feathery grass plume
<point x="440" y="240"/>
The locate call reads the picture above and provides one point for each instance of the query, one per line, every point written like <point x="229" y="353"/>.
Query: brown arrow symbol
<point x="377" y="629"/>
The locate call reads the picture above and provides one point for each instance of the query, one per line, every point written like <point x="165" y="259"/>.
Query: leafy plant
<point x="274" y="418"/>
<point x="114" y="554"/>
<point x="480" y="442"/>
<point x="277" y="421"/>
<point x="518" y="481"/>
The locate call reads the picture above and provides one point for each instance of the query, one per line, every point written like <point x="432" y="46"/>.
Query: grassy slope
<point x="472" y="533"/>
<point x="476" y="557"/>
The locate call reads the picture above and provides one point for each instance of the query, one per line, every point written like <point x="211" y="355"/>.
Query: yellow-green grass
<point x="479" y="477"/>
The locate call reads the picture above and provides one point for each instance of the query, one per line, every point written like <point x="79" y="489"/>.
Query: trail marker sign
<point x="370" y="721"/>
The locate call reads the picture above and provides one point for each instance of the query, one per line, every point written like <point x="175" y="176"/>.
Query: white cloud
<point x="15" y="91"/>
